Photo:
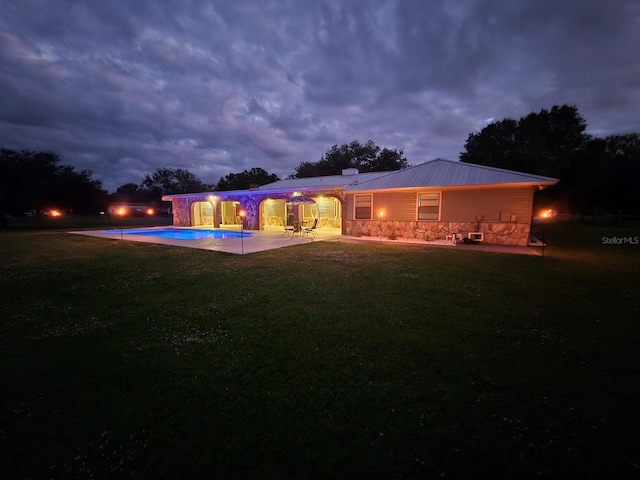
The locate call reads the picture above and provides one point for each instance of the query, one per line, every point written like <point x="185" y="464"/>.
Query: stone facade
<point x="181" y="214"/>
<point x="250" y="203"/>
<point x="494" y="233"/>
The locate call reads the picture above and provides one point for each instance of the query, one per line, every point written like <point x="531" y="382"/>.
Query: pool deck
<point x="258" y="241"/>
<point x="272" y="238"/>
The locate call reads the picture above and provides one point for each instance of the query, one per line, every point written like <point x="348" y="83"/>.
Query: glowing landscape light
<point x="243" y="213"/>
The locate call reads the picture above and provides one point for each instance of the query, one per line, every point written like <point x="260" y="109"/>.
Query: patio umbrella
<point x="301" y="200"/>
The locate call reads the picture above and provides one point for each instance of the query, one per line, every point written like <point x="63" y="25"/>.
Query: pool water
<point x="181" y="233"/>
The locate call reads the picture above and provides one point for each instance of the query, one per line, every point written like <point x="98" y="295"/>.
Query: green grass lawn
<point x="326" y="360"/>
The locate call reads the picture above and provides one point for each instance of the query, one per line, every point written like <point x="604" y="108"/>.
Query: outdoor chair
<point x="291" y="230"/>
<point x="311" y="230"/>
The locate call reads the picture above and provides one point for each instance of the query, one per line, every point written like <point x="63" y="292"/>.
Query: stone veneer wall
<point x="251" y="204"/>
<point x="181" y="217"/>
<point x="494" y="233"/>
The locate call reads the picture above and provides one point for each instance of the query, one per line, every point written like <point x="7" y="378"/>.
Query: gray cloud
<point x="122" y="88"/>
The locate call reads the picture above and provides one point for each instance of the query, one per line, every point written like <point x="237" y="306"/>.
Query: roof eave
<point x="228" y="193"/>
<point x="539" y="184"/>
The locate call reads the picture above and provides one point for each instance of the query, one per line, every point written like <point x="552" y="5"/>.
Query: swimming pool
<point x="181" y="233"/>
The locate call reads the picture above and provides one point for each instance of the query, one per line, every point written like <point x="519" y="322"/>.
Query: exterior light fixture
<point x="381" y="216"/>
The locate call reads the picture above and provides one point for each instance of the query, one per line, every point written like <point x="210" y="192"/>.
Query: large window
<point x="429" y="206"/>
<point x="363" y="207"/>
<point x="275" y="208"/>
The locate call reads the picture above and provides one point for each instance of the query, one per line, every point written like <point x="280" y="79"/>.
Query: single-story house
<point x="430" y="201"/>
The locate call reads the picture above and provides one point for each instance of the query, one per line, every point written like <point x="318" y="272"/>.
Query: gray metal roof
<point x="309" y="184"/>
<point x="448" y="173"/>
<point x="314" y="183"/>
<point x="436" y="173"/>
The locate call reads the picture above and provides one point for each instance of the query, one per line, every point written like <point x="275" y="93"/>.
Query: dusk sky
<point x="123" y="87"/>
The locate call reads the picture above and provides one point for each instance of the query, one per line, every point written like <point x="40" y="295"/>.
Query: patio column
<point x="216" y="215"/>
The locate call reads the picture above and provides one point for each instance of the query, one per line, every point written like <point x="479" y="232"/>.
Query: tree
<point x="366" y="158"/>
<point x="167" y="181"/>
<point x="131" y="192"/>
<point x="244" y="179"/>
<point x="77" y="191"/>
<point x="35" y="181"/>
<point x="543" y="143"/>
<point x="307" y="169"/>
<point x="496" y="145"/>
<point x="621" y="176"/>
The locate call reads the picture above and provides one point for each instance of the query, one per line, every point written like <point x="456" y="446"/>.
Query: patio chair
<point x="306" y="231"/>
<point x="291" y="230"/>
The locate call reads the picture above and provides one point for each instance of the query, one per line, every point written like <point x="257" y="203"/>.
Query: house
<point x="430" y="201"/>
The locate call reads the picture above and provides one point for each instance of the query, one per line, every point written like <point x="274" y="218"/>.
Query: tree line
<point x="36" y="181"/>
<point x="597" y="175"/>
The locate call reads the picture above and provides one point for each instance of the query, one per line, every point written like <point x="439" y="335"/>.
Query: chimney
<point x="349" y="171"/>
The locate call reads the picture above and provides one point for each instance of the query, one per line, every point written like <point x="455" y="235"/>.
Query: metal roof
<point x="435" y="173"/>
<point x="308" y="184"/>
<point x="314" y="183"/>
<point x="448" y="173"/>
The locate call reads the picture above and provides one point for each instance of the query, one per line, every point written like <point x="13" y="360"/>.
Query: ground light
<point x="243" y="214"/>
<point x="544" y="216"/>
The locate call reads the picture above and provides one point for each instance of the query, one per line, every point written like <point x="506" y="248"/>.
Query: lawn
<point x="326" y="360"/>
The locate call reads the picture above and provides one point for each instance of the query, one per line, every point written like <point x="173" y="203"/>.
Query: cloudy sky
<point x="123" y="87"/>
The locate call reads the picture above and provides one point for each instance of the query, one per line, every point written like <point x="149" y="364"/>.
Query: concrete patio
<point x="259" y="240"/>
<point x="272" y="237"/>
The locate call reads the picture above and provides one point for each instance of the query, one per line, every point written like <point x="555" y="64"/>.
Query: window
<point x="429" y="206"/>
<point x="275" y="208"/>
<point x="363" y="207"/>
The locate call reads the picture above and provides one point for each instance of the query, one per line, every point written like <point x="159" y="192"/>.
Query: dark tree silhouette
<point x="244" y="179"/>
<point x="543" y="143"/>
<point x="366" y="158"/>
<point x="172" y="181"/>
<point x="35" y="181"/>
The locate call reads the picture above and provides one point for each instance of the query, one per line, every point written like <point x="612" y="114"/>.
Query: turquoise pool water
<point x="180" y="233"/>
